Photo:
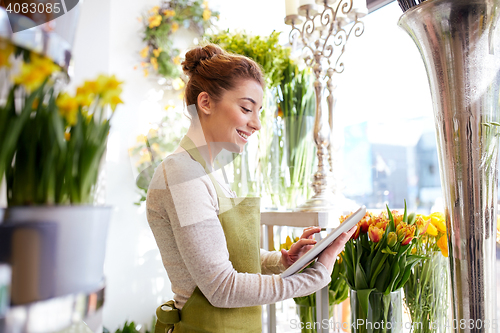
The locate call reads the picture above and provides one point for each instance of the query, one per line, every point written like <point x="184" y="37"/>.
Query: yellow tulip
<point x="175" y="26"/>
<point x="431" y="230"/>
<point x="144" y="52"/>
<point x="442" y="243"/>
<point x="438" y="220"/>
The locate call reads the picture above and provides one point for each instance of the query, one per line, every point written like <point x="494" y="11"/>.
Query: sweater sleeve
<point x="270" y="262"/>
<point x="202" y="245"/>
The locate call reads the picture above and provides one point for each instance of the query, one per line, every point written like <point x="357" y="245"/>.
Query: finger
<point x="305" y="241"/>
<point x="339" y="244"/>
<point x="309" y="232"/>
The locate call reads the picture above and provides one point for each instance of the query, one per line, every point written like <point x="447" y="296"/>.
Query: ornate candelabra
<point x="324" y="34"/>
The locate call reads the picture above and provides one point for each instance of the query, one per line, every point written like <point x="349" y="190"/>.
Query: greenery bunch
<point x="161" y="22"/>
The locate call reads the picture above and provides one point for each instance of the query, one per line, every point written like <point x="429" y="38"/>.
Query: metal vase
<point x="457" y="41"/>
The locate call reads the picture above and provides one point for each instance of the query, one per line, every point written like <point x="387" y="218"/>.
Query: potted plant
<point x="52" y="147"/>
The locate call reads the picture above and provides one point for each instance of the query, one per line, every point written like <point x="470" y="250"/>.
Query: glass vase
<point x="458" y="42"/>
<point x="300" y="155"/>
<point x="426" y="295"/>
<point x="307" y="317"/>
<point x="381" y="314"/>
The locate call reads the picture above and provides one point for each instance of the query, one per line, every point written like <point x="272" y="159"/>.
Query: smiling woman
<point x="209" y="238"/>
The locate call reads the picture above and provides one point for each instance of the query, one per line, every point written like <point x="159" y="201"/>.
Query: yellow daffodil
<point x="68" y="108"/>
<point x="443" y="245"/>
<point x="145" y="52"/>
<point x="154" y="21"/>
<point x="169" y="12"/>
<point x="67" y="136"/>
<point x="175" y="26"/>
<point x="154" y="10"/>
<point x="6" y="49"/>
<point x="177" y="60"/>
<point x="288" y="243"/>
<point x="205" y="4"/>
<point x="157" y="52"/>
<point x="207" y="14"/>
<point x="154" y="62"/>
<point x="35" y="104"/>
<point x="112" y="101"/>
<point x="178" y="84"/>
<point x="146" y="73"/>
<point x="34" y="73"/>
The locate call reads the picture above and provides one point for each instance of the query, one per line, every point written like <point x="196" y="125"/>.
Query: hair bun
<point x="195" y="56"/>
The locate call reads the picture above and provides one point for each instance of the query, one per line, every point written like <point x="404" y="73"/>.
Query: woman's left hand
<point x="298" y="249"/>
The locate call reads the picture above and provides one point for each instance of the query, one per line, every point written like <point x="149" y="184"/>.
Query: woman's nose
<point x="255" y="122"/>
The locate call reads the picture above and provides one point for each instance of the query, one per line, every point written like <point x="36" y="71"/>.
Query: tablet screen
<point x="314" y="252"/>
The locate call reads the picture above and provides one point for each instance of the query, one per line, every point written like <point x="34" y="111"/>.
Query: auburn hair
<point x="213" y="70"/>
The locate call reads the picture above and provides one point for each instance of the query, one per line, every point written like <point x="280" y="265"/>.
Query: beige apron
<point x="241" y="225"/>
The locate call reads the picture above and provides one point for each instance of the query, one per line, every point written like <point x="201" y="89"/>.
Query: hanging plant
<point x="161" y="22"/>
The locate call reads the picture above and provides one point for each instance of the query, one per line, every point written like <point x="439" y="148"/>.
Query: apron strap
<point x="166" y="316"/>
<point x="190" y="147"/>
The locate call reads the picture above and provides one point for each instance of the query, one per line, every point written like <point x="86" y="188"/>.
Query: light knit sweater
<point x="182" y="210"/>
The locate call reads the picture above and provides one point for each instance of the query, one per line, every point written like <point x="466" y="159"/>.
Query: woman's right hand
<point x="330" y="254"/>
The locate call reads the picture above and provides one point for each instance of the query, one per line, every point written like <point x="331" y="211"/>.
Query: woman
<point x="208" y="238"/>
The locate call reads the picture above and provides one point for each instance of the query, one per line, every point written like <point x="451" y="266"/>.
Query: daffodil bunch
<point x="161" y="22"/>
<point x="426" y="292"/>
<point x="378" y="257"/>
<point x="338" y="291"/>
<point x="52" y="142"/>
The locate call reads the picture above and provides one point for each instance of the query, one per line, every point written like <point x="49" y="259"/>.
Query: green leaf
<point x="363" y="298"/>
<point x="361" y="281"/>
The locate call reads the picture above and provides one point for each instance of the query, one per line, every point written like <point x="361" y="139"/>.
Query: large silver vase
<point x="457" y="41"/>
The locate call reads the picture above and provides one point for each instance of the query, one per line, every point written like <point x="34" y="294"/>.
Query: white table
<point x="326" y="220"/>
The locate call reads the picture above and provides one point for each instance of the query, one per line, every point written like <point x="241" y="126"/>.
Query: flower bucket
<point x="53" y="250"/>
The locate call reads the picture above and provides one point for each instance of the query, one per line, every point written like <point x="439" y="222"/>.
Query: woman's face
<point x="235" y="117"/>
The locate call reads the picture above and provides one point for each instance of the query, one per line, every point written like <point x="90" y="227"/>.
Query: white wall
<point x="109" y="40"/>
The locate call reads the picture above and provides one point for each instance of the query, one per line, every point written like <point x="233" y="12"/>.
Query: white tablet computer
<point x="313" y="253"/>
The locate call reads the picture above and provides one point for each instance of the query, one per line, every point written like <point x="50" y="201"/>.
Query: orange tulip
<point x="375" y="233"/>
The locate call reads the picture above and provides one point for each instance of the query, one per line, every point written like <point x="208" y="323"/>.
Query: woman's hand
<point x="298" y="249"/>
<point x="330" y="254"/>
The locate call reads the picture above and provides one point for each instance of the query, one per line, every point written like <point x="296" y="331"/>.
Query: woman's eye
<point x="247" y="110"/>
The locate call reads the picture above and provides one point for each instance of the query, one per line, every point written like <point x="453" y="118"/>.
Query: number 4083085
<point x="33" y="8"/>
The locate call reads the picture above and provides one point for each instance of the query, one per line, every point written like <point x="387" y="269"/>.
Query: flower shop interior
<point x="92" y="101"/>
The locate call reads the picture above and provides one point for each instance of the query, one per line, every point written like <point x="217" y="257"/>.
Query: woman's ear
<point x="205" y="103"/>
